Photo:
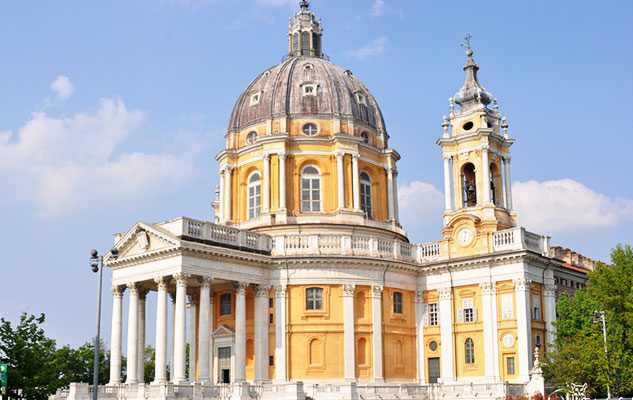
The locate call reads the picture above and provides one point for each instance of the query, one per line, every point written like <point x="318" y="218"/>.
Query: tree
<point x="31" y="358"/>
<point x="149" y="364"/>
<point x="77" y="365"/>
<point x="578" y="353"/>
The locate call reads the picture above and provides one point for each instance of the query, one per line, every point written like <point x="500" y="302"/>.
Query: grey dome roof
<point x="281" y="95"/>
<point x="472" y="94"/>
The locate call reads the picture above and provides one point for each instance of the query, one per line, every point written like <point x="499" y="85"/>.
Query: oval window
<point x="433" y="345"/>
<point x="468" y="126"/>
<point x="365" y="137"/>
<point x="251" y="137"/>
<point x="310" y="129"/>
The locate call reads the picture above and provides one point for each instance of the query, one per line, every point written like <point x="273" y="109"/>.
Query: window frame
<point x="469" y="351"/>
<point x="309" y="126"/>
<point x="398" y="303"/>
<point x="536" y="307"/>
<point x="366" y="198"/>
<point x="223" y="297"/>
<point x="251" y="137"/>
<point x="507" y="306"/>
<point x="311" y="178"/>
<point x="433" y="312"/>
<point x="314" y="298"/>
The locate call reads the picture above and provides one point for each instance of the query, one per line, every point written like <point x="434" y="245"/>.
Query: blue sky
<point x="112" y="112"/>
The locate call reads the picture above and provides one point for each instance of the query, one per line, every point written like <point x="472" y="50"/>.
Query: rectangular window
<point x="271" y="318"/>
<point x="271" y="361"/>
<point x="314" y="299"/>
<point x="311" y="194"/>
<point x="397" y="303"/>
<point x="510" y="365"/>
<point x="225" y="304"/>
<point x="468" y="312"/>
<point x="271" y="303"/>
<point x="536" y="307"/>
<point x="433" y="314"/>
<point x="507" y="306"/>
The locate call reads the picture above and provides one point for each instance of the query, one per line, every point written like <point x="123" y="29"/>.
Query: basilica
<point x="305" y="286"/>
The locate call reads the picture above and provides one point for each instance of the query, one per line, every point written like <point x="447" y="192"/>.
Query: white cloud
<point x="62" y="87"/>
<point x="62" y="163"/>
<point x="421" y="206"/>
<point x="376" y="47"/>
<point x="567" y="205"/>
<point x="377" y="8"/>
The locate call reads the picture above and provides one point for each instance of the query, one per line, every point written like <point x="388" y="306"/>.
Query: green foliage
<point x="31" y="358"/>
<point x="578" y="355"/>
<point x="150" y="364"/>
<point x="77" y="365"/>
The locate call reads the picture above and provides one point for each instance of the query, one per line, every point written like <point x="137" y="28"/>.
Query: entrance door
<point x="434" y="369"/>
<point x="224" y="364"/>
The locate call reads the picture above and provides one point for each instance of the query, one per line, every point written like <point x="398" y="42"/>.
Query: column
<point x="448" y="203"/>
<point x="180" y="329"/>
<point x="192" y="304"/>
<point x="396" y="212"/>
<point x="549" y="295"/>
<point x="340" y="180"/>
<point x="280" y="333"/>
<point x="160" y="374"/>
<point x="221" y="199"/>
<point x="446" y="334"/>
<point x="212" y="374"/>
<point x="489" y="315"/>
<point x="376" y="319"/>
<point x="226" y="212"/>
<point x="132" y="335"/>
<point x="240" y="331"/>
<point x="142" y="296"/>
<point x="261" y="332"/>
<point x="508" y="182"/>
<point x="172" y="335"/>
<point x="390" y="204"/>
<point x="204" y="330"/>
<point x="356" y="182"/>
<point x="524" y="326"/>
<point x="266" y="183"/>
<point x="348" y="332"/>
<point x="282" y="181"/>
<point x="115" y="337"/>
<point x="419" y="331"/>
<point x="485" y="171"/>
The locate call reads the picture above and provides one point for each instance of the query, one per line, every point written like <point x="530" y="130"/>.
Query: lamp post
<point x="96" y="263"/>
<point x="599" y="317"/>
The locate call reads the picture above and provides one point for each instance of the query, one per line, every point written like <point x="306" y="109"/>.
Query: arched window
<point x="254" y="195"/>
<point x="316" y="352"/>
<point x="362" y="351"/>
<point x="495" y="185"/>
<point x="310" y="189"/>
<point x="397" y="303"/>
<point x="310" y="129"/>
<point x="469" y="187"/>
<point x="365" y="194"/>
<point x="469" y="351"/>
<point x="314" y="298"/>
<point x="251" y="137"/>
<point x="316" y="40"/>
<point x="360" y="305"/>
<point x="295" y="42"/>
<point x="305" y="42"/>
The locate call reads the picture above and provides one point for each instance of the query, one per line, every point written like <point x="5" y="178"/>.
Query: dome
<point x="306" y="86"/>
<point x="472" y="95"/>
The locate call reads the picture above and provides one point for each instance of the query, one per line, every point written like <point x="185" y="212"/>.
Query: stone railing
<point x="520" y="239"/>
<point x="221" y="234"/>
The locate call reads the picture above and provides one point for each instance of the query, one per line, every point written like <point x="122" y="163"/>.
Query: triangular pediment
<point x="223" y="330"/>
<point x="144" y="238"/>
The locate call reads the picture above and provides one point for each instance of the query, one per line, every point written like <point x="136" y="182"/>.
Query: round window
<point x="365" y="137"/>
<point x="310" y="129"/>
<point x="468" y="126"/>
<point x="251" y="137"/>
<point x="433" y="345"/>
<point x="508" y="340"/>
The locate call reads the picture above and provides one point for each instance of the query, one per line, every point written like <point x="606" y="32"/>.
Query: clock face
<point x="464" y="237"/>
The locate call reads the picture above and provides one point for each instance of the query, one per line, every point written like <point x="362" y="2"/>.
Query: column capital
<point x="355" y="156"/>
<point x="162" y="282"/>
<point x="419" y="296"/>
<point x="142" y="293"/>
<point x="376" y="291"/>
<point x="394" y="171"/>
<point x="240" y="287"/>
<point x="117" y="290"/>
<point x="262" y="290"/>
<point x="521" y="283"/>
<point x="348" y="289"/>
<point x="181" y="279"/>
<point x="488" y="288"/>
<point x="281" y="290"/>
<point x="205" y="281"/>
<point x="506" y="159"/>
<point x="266" y="157"/>
<point x="549" y="290"/>
<point x="339" y="154"/>
<point x="485" y="147"/>
<point x="228" y="169"/>
<point x="282" y="155"/>
<point x="446" y="157"/>
<point x="446" y="293"/>
<point x="133" y="287"/>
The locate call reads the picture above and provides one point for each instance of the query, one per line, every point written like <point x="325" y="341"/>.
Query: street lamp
<point x="599" y="317"/>
<point x="96" y="263"/>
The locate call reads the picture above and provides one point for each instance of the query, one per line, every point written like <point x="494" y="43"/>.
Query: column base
<point x="240" y="391"/>
<point x="159" y="382"/>
<point x="378" y="380"/>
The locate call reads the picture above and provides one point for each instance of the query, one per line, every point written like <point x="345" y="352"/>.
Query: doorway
<point x="434" y="369"/>
<point x="224" y="364"/>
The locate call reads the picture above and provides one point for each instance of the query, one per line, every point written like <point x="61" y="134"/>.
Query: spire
<point x="304" y="33"/>
<point x="472" y="95"/>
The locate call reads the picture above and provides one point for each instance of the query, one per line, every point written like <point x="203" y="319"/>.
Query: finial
<point x="451" y="105"/>
<point x="466" y="44"/>
<point x="445" y="125"/>
<point x="496" y="105"/>
<point x="504" y="126"/>
<point x="304" y="4"/>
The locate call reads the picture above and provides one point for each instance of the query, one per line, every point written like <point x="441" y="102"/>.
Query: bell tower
<point x="476" y="154"/>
